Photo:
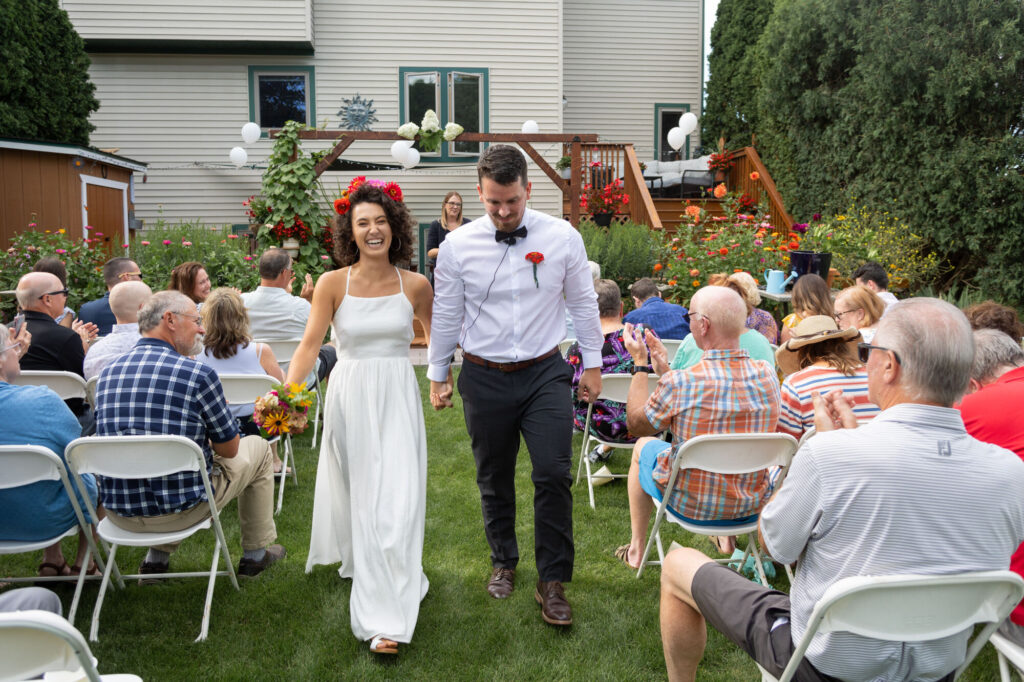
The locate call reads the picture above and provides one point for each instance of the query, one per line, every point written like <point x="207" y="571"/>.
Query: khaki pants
<point x="249" y="476"/>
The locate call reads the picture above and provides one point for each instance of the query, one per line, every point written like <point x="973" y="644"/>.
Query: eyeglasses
<point x="195" y="318"/>
<point x="456" y="205"/>
<point x="690" y="314"/>
<point x="127" y="275"/>
<point x="839" y="316"/>
<point x="864" y="350"/>
<point x="54" y="293"/>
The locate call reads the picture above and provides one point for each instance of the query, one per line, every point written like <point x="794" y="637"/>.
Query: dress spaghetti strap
<point x="401" y="287"/>
<point x="348" y="276"/>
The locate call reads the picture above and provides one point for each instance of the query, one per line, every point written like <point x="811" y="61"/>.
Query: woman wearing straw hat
<point x="820" y="357"/>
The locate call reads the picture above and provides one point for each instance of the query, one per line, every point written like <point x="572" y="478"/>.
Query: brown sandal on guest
<point x="93" y="569"/>
<point x="623" y="554"/>
<point x="58" y="571"/>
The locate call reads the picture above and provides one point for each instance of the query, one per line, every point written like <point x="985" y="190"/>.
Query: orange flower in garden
<point x="720" y="190"/>
<point x="755" y="176"/>
<point x="694" y="272"/>
<point x="737" y="269"/>
<point x="695" y="283"/>
<point x="657" y="267"/>
<point x="693" y="211"/>
<point x="671" y="282"/>
<point x="724" y="251"/>
<point x="793" y="246"/>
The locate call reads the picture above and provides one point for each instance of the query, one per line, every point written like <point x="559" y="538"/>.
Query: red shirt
<point x="992" y="415"/>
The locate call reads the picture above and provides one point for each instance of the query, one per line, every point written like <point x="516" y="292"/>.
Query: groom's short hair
<point x="502" y="163"/>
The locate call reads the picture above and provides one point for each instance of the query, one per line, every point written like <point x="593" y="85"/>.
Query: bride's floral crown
<point x="342" y="204"/>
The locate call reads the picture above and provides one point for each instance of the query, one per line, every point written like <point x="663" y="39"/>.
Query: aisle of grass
<point x="289" y="625"/>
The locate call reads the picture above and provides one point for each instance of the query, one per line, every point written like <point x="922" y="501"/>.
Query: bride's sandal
<point x="382" y="645"/>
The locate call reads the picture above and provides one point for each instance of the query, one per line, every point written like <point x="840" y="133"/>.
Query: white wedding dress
<point x="370" y="501"/>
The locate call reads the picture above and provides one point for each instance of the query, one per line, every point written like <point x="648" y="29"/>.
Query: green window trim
<point x="308" y="71"/>
<point x="444" y="105"/>
<point x="659" y="107"/>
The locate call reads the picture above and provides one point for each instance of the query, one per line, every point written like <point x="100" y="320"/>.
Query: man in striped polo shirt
<point x="868" y="500"/>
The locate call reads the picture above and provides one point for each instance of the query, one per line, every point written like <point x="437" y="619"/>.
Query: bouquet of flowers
<point x="283" y="410"/>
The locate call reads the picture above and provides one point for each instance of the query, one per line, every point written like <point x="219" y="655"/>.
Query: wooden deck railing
<point x="615" y="161"/>
<point x="748" y="161"/>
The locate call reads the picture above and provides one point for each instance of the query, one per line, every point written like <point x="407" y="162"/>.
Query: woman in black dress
<point x="451" y="218"/>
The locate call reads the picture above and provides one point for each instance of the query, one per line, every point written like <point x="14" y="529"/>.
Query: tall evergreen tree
<point x="730" y="109"/>
<point x="918" y="103"/>
<point x="45" y="92"/>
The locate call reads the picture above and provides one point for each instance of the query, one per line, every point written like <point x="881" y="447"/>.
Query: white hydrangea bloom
<point x="409" y="130"/>
<point x="453" y="130"/>
<point x="430" y="121"/>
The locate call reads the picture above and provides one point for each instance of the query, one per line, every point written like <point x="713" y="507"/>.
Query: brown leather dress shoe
<point x="502" y="582"/>
<point x="554" y="608"/>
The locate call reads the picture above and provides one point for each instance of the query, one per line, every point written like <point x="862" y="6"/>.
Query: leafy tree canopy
<point x="45" y="92"/>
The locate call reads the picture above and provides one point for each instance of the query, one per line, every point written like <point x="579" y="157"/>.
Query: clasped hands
<point x="832" y="411"/>
<point x="441" y="392"/>
<point x="646" y="348"/>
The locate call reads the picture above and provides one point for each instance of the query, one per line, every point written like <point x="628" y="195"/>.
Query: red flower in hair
<point x="356" y="181"/>
<point x="393" y="190"/>
<point x="341" y="206"/>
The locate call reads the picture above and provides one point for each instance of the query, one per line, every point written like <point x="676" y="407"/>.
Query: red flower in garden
<point x="755" y="176"/>
<point x="724" y="251"/>
<point x="657" y="267"/>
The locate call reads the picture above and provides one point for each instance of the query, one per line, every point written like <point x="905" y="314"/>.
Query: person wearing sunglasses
<point x="451" y="218"/>
<point x="910" y="491"/>
<point x="97" y="311"/>
<point x="860" y="308"/>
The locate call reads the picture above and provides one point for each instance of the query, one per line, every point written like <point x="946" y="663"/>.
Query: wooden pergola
<point x="571" y="188"/>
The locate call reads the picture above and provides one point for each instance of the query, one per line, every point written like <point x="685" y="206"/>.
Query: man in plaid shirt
<point x="726" y="392"/>
<point x="156" y="389"/>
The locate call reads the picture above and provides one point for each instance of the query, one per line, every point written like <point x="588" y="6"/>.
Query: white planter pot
<point x="566" y="173"/>
<point x="291" y="245"/>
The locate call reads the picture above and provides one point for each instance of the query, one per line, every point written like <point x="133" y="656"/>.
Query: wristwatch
<point x="642" y="368"/>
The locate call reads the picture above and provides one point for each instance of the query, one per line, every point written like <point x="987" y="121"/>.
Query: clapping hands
<point x="832" y="411"/>
<point x="645" y="347"/>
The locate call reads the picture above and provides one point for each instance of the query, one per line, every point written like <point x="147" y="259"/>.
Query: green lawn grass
<point x="289" y="625"/>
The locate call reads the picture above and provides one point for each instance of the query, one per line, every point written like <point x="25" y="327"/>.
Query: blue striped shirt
<point x="153" y="389"/>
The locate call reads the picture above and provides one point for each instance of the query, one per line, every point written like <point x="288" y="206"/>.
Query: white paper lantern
<point x="530" y="127"/>
<point x="250" y="132"/>
<point x="676" y="138"/>
<point x="688" y="122"/>
<point x="238" y="156"/>
<point x="411" y="158"/>
<point x="399" y="148"/>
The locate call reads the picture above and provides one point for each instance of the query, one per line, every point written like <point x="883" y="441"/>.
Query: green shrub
<point x="626" y="252"/>
<point x="225" y="256"/>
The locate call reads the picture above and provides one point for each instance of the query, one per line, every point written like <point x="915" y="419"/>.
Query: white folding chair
<point x="722" y="453"/>
<point x="671" y="347"/>
<point x="90" y="391"/>
<point x="36" y="642"/>
<point x="246" y="388"/>
<point x="1009" y="655"/>
<point x="911" y="608"/>
<point x="24" y="464"/>
<point x="136" y="457"/>
<point x="284" y="350"/>
<point x="614" y="387"/>
<point x="563" y="345"/>
<point x="67" y="385"/>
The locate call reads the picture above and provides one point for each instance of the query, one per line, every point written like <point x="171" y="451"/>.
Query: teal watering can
<point x="775" y="281"/>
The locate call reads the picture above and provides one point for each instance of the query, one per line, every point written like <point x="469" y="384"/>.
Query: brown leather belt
<point x="508" y="366"/>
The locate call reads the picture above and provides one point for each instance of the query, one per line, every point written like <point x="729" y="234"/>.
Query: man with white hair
<point x="156" y="389"/>
<point x="868" y="500"/>
<point x="125" y="300"/>
<point x="726" y="392"/>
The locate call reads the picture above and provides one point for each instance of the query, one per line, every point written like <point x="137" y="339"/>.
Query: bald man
<point x="726" y="392"/>
<point x="126" y="299"/>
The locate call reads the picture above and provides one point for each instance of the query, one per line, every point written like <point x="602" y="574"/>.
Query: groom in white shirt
<point x="502" y="284"/>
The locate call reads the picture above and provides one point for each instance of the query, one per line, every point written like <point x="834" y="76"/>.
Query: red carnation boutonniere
<point x="535" y="257"/>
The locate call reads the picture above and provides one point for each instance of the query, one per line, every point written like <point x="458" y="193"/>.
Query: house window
<point x="458" y="95"/>
<point x="281" y="94"/>
<point x="666" y="117"/>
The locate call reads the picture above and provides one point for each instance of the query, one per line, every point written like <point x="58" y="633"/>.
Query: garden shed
<point x="67" y="186"/>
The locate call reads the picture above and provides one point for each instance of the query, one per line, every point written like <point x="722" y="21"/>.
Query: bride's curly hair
<point x="399" y="219"/>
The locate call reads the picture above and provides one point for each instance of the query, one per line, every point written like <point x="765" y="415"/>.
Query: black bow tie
<point x="510" y="237"/>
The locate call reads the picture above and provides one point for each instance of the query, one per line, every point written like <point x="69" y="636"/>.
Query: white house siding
<point x="622" y="58"/>
<point x="182" y="113"/>
<point x="191" y="19"/>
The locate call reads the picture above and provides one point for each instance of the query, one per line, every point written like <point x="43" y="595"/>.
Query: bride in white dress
<point x="370" y="501"/>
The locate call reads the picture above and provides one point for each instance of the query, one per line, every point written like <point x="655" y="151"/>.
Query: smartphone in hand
<point x="19" y="321"/>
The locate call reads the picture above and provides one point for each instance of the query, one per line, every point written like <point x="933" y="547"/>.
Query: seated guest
<point x="997" y="380"/>
<point x="99" y="311"/>
<point x="274" y="314"/>
<point x="859" y="307"/>
<point x="726" y="392"/>
<point x="228" y="348"/>
<point x="856" y="503"/>
<point x="873" y="276"/>
<point x="55" y="266"/>
<point x="759" y="320"/>
<point x="35" y="415"/>
<point x="811" y="296"/>
<point x="668" y="320"/>
<point x="608" y="420"/>
<point x="190" y="278"/>
<point x="991" y="315"/>
<point x="156" y="389"/>
<point x="54" y="348"/>
<point x="125" y="300"/>
<point x="820" y="357"/>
